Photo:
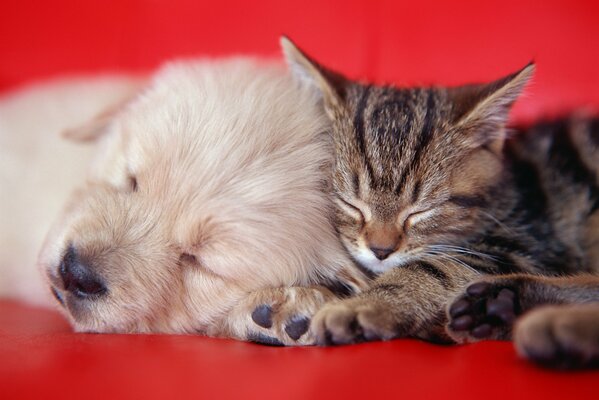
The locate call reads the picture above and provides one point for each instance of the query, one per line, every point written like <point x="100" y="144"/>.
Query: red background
<point x="404" y="42"/>
<point x="407" y="42"/>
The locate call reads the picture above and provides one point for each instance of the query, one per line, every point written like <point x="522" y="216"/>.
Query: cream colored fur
<point x="38" y="169"/>
<point x="231" y="160"/>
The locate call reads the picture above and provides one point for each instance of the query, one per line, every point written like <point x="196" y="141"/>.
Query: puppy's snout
<point x="78" y="278"/>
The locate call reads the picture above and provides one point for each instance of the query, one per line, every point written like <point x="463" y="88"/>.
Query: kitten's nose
<point x="382" y="253"/>
<point x="78" y="278"/>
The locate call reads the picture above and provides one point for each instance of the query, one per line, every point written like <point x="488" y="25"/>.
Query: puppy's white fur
<point x="231" y="161"/>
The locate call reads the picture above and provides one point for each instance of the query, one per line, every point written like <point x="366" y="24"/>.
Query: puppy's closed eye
<point x="132" y="183"/>
<point x="188" y="259"/>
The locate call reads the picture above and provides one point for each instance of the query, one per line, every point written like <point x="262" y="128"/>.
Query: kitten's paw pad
<point x="351" y="321"/>
<point x="558" y="337"/>
<point x="284" y="315"/>
<point x="485" y="311"/>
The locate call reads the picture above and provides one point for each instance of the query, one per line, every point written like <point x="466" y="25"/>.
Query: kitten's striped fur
<point x="432" y="195"/>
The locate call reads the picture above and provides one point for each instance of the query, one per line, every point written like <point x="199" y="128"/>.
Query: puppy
<point x="205" y="211"/>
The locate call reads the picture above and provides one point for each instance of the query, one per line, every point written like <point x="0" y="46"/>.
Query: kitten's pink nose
<point x="382" y="239"/>
<point x="383" y="253"/>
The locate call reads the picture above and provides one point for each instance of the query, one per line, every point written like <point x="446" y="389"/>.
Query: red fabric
<point x="41" y="359"/>
<point x="405" y="42"/>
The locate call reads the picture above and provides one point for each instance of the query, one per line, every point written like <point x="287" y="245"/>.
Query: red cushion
<point x="407" y="42"/>
<point x="41" y="358"/>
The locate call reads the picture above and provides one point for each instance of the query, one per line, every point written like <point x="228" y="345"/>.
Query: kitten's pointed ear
<point x="99" y="124"/>
<point x="330" y="84"/>
<point x="483" y="110"/>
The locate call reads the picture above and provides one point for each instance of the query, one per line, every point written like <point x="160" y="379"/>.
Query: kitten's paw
<point x="353" y="321"/>
<point x="282" y="316"/>
<point x="487" y="310"/>
<point x="564" y="337"/>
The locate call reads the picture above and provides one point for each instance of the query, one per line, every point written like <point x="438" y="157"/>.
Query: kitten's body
<point x="432" y="196"/>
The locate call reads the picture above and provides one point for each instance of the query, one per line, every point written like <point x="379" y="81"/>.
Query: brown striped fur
<point x="432" y="194"/>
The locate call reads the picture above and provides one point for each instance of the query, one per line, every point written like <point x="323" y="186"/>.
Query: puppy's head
<point x="192" y="172"/>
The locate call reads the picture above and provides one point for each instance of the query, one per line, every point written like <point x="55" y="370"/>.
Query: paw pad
<point x="262" y="316"/>
<point x="297" y="326"/>
<point x="484" y="310"/>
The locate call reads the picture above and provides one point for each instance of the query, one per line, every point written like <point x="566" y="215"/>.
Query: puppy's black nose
<point x="78" y="278"/>
<point x="381" y="254"/>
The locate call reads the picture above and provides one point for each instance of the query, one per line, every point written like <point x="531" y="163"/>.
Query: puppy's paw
<point x="486" y="310"/>
<point x="353" y="321"/>
<point x="564" y="337"/>
<point x="282" y="316"/>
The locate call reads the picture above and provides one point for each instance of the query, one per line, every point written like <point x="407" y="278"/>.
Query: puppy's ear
<point x="330" y="84"/>
<point x="98" y="125"/>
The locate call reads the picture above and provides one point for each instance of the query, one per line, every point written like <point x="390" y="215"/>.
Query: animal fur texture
<point x="207" y="197"/>
<point x="467" y="229"/>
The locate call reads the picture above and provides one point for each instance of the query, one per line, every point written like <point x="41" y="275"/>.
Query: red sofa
<point x="406" y="42"/>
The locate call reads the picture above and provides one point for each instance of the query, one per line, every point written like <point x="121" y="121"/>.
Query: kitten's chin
<point x="368" y="260"/>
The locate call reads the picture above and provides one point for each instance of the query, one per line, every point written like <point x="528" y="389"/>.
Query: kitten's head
<point x="416" y="168"/>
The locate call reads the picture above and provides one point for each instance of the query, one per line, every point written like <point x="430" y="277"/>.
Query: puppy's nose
<point x="78" y="278"/>
<point x="382" y="253"/>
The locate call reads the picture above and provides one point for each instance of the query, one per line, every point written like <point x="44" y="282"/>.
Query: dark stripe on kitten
<point x="424" y="138"/>
<point x="356" y="185"/>
<point x="473" y="201"/>
<point x="416" y="191"/>
<point x="509" y="245"/>
<point x="430" y="270"/>
<point x="531" y="197"/>
<point x="386" y="288"/>
<point x="565" y="157"/>
<point x="359" y="128"/>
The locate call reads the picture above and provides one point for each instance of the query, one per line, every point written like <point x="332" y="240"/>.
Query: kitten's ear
<point x="99" y="124"/>
<point x="482" y="110"/>
<point x="330" y="84"/>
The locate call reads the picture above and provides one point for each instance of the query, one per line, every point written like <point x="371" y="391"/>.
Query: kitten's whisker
<point x="445" y="256"/>
<point x="498" y="222"/>
<point x="462" y="250"/>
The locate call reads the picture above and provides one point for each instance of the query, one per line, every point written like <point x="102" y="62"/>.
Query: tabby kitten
<point x="466" y="228"/>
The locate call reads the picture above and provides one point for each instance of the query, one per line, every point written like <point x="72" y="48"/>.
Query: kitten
<point x="432" y="196"/>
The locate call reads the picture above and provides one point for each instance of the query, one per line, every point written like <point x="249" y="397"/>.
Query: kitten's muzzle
<point x="78" y="278"/>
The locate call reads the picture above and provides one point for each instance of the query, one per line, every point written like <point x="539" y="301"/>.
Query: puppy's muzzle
<point x="78" y="278"/>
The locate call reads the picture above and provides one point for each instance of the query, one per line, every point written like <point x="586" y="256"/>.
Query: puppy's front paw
<point x="564" y="337"/>
<point x="282" y="316"/>
<point x="486" y="310"/>
<point x="353" y="321"/>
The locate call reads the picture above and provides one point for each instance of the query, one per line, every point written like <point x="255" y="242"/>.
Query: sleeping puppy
<point x="205" y="211"/>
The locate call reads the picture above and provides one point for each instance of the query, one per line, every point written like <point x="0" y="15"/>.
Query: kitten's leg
<point x="564" y="336"/>
<point x="488" y="308"/>
<point x="277" y="316"/>
<point x="407" y="301"/>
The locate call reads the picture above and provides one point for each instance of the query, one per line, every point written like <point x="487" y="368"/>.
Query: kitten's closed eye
<point x="418" y="216"/>
<point x="350" y="209"/>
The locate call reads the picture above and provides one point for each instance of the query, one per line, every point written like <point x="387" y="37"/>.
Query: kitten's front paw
<point x="353" y="321"/>
<point x="564" y="337"/>
<point x="282" y="316"/>
<point x="486" y="310"/>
